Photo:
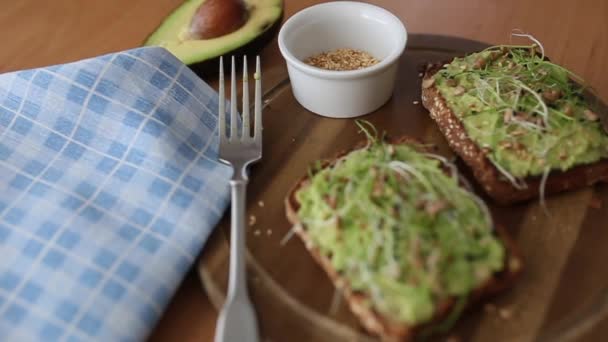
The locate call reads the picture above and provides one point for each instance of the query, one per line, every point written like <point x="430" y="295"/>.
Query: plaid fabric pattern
<point x="109" y="186"/>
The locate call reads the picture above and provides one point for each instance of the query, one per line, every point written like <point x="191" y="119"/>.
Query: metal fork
<point x="237" y="321"/>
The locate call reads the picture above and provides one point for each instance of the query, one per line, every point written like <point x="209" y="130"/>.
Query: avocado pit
<point x="216" y="18"/>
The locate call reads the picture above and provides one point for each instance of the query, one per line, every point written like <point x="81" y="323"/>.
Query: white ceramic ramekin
<point x="343" y="24"/>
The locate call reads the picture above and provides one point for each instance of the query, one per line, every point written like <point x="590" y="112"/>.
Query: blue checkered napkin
<point x="109" y="187"/>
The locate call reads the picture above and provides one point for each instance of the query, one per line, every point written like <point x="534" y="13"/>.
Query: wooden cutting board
<point x="564" y="287"/>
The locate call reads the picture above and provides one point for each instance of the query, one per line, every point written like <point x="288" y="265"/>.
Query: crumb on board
<point x="252" y="220"/>
<point x="505" y="313"/>
<point x="268" y="232"/>
<point x="261" y="204"/>
<point x="257" y="232"/>
<point x="416" y="102"/>
<point x="595" y="202"/>
<point x="420" y="75"/>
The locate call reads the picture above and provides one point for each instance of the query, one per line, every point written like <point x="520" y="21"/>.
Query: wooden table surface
<point x="38" y="33"/>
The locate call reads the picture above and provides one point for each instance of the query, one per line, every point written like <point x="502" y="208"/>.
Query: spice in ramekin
<point x="342" y="60"/>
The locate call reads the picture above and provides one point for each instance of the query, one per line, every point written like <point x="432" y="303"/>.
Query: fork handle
<point x="237" y="284"/>
<point x="237" y="321"/>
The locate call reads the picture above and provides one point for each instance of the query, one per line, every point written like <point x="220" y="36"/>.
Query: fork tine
<point x="246" y="132"/>
<point x="233" y="99"/>
<point x="258" y="102"/>
<point x="222" y="103"/>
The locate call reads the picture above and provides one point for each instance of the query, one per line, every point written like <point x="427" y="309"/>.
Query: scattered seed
<point x="433" y="207"/>
<point x="589" y="115"/>
<point x="550" y="96"/>
<point x="416" y="102"/>
<point x="252" y="220"/>
<point x="459" y="91"/>
<point x="508" y="115"/>
<point x="261" y="204"/>
<point x="268" y="232"/>
<point x="420" y="75"/>
<point x="517" y="133"/>
<point x="342" y="60"/>
<point x="257" y="232"/>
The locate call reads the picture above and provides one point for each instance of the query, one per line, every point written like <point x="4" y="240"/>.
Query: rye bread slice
<point x="373" y="321"/>
<point x="485" y="173"/>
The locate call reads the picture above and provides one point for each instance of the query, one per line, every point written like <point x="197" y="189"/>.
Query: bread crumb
<point x="268" y="232"/>
<point x="420" y="75"/>
<point x="505" y="313"/>
<point x="514" y="264"/>
<point x="257" y="232"/>
<point x="252" y="220"/>
<point x="453" y="338"/>
<point x="261" y="204"/>
<point x="428" y="82"/>
<point x="416" y="102"/>
<point x="293" y="139"/>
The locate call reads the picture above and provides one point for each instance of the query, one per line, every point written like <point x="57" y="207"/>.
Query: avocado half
<point x="262" y="21"/>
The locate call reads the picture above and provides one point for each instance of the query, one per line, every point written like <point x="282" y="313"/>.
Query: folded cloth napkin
<point x="109" y="187"/>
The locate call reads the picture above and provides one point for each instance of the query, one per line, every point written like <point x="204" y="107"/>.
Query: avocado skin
<point x="210" y="67"/>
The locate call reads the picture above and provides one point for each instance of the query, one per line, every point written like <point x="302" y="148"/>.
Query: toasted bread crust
<point x="372" y="320"/>
<point x="486" y="174"/>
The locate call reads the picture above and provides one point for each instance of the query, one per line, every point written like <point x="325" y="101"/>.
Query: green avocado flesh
<point x="400" y="230"/>
<point x="173" y="33"/>
<point x="525" y="111"/>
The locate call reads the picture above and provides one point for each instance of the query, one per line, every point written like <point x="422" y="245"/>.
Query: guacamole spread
<point x="396" y="224"/>
<point x="524" y="111"/>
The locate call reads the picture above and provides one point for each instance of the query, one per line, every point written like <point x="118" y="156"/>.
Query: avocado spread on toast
<point x="524" y="111"/>
<point x="397" y="226"/>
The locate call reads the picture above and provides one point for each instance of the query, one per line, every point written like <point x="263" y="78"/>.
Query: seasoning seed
<point x="252" y="220"/>
<point x="261" y="204"/>
<point x="342" y="60"/>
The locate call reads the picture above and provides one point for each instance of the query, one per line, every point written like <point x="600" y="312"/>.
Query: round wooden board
<point x="564" y="287"/>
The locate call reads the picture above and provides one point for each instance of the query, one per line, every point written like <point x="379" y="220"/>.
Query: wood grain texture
<point x="38" y="33"/>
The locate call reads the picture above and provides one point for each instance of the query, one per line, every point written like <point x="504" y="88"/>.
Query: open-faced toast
<point x="360" y="299"/>
<point x="518" y="121"/>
